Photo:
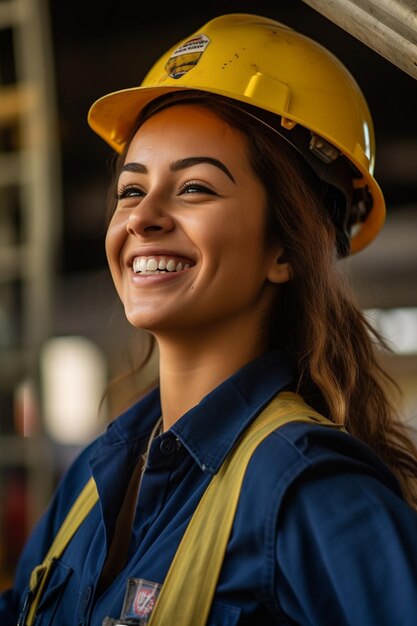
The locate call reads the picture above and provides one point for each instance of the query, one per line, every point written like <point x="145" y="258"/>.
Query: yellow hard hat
<point x="261" y="62"/>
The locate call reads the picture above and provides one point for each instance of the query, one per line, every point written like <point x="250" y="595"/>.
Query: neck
<point x="191" y="367"/>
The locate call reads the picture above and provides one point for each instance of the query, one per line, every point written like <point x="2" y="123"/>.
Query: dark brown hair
<point x="316" y="318"/>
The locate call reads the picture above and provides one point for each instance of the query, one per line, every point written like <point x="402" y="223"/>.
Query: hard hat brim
<point x="114" y="116"/>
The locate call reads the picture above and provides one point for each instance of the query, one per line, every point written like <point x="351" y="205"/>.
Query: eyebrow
<point x="181" y="164"/>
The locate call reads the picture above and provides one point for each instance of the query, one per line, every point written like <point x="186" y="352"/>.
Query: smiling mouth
<point x="158" y="265"/>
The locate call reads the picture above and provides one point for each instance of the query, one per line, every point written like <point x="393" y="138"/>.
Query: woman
<point x="240" y="181"/>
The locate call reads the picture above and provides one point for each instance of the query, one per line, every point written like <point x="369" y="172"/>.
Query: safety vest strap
<point x="187" y="593"/>
<point x="38" y="579"/>
<point x="197" y="563"/>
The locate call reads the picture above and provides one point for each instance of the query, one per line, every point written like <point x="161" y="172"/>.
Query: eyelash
<point x="192" y="184"/>
<point x="127" y="191"/>
<point x="124" y="192"/>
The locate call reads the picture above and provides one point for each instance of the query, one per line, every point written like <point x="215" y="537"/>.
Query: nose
<point x="148" y="218"/>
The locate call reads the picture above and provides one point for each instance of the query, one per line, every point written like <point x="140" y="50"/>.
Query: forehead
<point x="188" y="128"/>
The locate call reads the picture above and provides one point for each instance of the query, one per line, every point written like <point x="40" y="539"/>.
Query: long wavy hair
<point x="316" y="318"/>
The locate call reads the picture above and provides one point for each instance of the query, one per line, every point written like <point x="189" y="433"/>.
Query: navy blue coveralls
<point x="322" y="535"/>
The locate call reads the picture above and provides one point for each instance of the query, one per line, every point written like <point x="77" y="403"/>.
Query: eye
<point x="129" y="191"/>
<point x="191" y="187"/>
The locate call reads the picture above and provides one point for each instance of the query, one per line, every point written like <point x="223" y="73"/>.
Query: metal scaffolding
<point x="387" y="26"/>
<point x="30" y="214"/>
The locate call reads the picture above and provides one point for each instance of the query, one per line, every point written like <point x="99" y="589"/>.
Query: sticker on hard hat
<point x="186" y="56"/>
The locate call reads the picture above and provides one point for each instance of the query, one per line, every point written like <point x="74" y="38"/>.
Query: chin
<point x="146" y="321"/>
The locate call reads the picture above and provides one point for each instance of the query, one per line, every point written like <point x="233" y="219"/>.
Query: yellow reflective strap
<point x="78" y="512"/>
<point x="188" y="590"/>
<point x="189" y="587"/>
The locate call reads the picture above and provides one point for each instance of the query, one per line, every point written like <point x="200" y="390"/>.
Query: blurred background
<point x="63" y="335"/>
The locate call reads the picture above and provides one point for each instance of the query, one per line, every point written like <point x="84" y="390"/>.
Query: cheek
<point x="248" y="232"/>
<point x="115" y="238"/>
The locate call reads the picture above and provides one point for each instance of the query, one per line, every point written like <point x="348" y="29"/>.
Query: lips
<point x="159" y="264"/>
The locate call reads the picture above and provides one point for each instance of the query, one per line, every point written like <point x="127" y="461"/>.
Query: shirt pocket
<point x="223" y="615"/>
<point x="52" y="594"/>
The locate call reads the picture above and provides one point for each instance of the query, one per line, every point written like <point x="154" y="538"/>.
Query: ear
<point x="280" y="270"/>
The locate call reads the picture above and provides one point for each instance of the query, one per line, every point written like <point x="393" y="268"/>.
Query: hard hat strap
<point x="348" y="207"/>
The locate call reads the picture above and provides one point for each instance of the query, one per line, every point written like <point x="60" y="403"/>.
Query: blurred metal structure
<point x="387" y="26"/>
<point x="30" y="212"/>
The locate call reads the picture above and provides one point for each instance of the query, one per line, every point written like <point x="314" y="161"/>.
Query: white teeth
<point x="150" y="265"/>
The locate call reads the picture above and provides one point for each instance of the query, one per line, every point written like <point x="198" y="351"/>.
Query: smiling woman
<point x="206" y="216"/>
<point x="266" y="479"/>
